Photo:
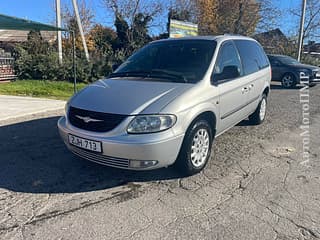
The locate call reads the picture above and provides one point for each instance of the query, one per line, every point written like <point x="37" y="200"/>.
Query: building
<point x="8" y="39"/>
<point x="312" y="49"/>
<point x="275" y="42"/>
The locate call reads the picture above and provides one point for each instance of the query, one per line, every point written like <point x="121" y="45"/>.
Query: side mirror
<point x="228" y="72"/>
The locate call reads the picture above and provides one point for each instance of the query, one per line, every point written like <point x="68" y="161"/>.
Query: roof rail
<point x="232" y="34"/>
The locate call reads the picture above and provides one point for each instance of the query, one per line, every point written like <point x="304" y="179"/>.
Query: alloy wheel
<point x="200" y="147"/>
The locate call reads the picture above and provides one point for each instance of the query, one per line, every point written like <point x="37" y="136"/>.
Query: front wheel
<point x="196" y="148"/>
<point x="260" y="113"/>
<point x="288" y="80"/>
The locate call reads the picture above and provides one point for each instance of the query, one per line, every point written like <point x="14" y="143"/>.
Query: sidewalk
<point x="12" y="107"/>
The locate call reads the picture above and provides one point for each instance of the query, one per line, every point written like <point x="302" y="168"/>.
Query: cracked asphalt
<point x="256" y="186"/>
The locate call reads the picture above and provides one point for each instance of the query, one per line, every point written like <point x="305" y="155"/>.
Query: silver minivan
<point x="167" y="102"/>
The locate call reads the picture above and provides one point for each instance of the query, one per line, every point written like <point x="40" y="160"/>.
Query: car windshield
<point x="184" y="61"/>
<point x="288" y="60"/>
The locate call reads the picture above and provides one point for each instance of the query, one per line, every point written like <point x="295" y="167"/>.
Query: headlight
<point x="151" y="123"/>
<point x="304" y="73"/>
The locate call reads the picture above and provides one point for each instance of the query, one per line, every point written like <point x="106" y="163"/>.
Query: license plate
<point x="85" y="143"/>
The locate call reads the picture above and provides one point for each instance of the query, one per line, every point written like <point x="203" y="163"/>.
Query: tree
<point x="228" y="16"/>
<point x="69" y="22"/>
<point x="183" y="10"/>
<point x="207" y="16"/>
<point x="35" y="44"/>
<point x="269" y="16"/>
<point x="312" y="19"/>
<point x="132" y="21"/>
<point x="86" y="15"/>
<point x="140" y="34"/>
<point x="122" y="32"/>
<point x="103" y="37"/>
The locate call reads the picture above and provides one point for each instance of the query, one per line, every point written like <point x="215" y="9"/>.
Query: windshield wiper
<point x="128" y="74"/>
<point x="150" y="74"/>
<point x="168" y="74"/>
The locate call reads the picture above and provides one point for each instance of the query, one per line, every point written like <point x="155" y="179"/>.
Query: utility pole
<point x="58" y="22"/>
<point x="76" y="11"/>
<point x="303" y="13"/>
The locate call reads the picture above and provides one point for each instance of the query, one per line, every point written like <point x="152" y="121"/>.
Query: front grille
<point x="101" y="159"/>
<point x="101" y="122"/>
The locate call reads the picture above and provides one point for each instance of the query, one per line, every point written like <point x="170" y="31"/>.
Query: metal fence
<point x="6" y="68"/>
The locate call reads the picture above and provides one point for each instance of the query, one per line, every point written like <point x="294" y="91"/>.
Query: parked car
<point x="167" y="103"/>
<point x="290" y="72"/>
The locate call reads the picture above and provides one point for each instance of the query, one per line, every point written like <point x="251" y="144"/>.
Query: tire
<point x="189" y="161"/>
<point x="259" y="114"/>
<point x="288" y="80"/>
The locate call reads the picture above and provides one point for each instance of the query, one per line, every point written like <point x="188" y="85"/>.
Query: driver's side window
<point x="275" y="63"/>
<point x="228" y="64"/>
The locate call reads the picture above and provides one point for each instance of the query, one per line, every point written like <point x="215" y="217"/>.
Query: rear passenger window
<point x="252" y="56"/>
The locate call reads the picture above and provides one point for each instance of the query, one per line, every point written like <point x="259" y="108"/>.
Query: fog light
<point x="142" y="164"/>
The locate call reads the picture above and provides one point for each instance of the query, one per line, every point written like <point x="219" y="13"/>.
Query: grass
<point x="40" y="88"/>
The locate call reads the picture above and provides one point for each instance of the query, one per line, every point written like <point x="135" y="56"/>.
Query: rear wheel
<point x="288" y="80"/>
<point x="196" y="148"/>
<point x="260" y="113"/>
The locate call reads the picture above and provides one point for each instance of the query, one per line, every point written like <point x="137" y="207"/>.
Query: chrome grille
<point x="101" y="159"/>
<point x="104" y="121"/>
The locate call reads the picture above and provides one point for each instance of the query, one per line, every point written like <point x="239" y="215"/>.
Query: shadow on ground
<point x="274" y="86"/>
<point x="34" y="160"/>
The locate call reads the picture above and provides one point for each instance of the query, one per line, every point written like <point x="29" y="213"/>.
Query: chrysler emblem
<point x="88" y="119"/>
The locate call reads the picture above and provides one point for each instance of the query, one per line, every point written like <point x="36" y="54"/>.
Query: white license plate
<point x="85" y="143"/>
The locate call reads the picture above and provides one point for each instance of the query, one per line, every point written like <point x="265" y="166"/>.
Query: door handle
<point x="251" y="86"/>
<point x="244" y="90"/>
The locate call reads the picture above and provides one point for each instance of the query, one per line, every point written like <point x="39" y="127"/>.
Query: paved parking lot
<point x="256" y="185"/>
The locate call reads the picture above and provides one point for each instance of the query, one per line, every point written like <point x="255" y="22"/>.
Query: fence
<point x="6" y="68"/>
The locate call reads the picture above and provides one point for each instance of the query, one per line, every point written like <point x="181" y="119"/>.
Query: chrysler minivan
<point x="167" y="103"/>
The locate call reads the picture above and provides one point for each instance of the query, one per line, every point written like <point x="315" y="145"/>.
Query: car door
<point x="276" y="68"/>
<point x="233" y="90"/>
<point x="255" y="67"/>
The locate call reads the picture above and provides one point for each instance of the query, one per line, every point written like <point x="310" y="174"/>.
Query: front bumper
<point x="314" y="78"/>
<point x="123" y="150"/>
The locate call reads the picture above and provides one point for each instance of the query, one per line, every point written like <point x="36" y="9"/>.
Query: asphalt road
<point x="256" y="186"/>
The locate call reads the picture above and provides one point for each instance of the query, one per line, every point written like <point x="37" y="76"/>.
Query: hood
<point x="128" y="97"/>
<point x="305" y="66"/>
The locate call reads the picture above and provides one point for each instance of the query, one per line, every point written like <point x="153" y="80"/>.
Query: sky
<point x="44" y="11"/>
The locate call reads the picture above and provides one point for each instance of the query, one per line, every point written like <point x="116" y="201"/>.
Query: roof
<point x="22" y="36"/>
<point x="13" y="23"/>
<point x="276" y="55"/>
<point x="275" y="33"/>
<point x="217" y="37"/>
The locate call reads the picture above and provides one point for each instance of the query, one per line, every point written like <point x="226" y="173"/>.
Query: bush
<point x="46" y="66"/>
<point x="308" y="59"/>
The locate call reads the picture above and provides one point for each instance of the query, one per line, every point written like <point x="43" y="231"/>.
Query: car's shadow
<point x="33" y="159"/>
<point x="275" y="86"/>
